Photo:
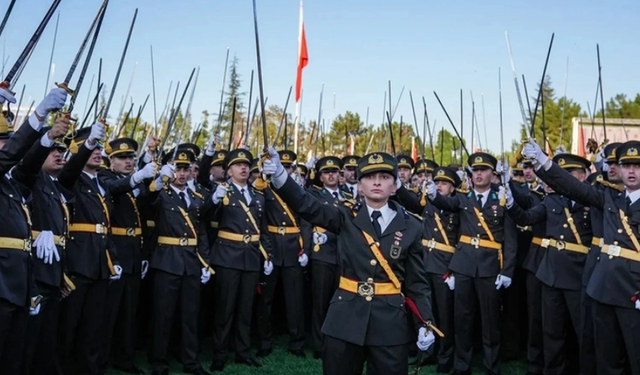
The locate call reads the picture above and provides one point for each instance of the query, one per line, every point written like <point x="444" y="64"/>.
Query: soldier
<point x="49" y="215"/>
<point x="614" y="284"/>
<point x="405" y="167"/>
<point x="528" y="194"/>
<point x="323" y="247"/>
<point x="303" y="172"/>
<point x="179" y="260"/>
<point x="288" y="260"/>
<point x="126" y="231"/>
<point x="381" y="257"/>
<point x="424" y="168"/>
<point x="242" y="241"/>
<point x="482" y="264"/>
<point x="350" y="186"/>
<point x="254" y="172"/>
<point x="568" y="238"/>
<point x="441" y="232"/>
<point x="91" y="256"/>
<point x="19" y="295"/>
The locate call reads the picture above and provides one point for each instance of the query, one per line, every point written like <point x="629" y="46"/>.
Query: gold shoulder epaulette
<point x="608" y="184"/>
<point x="414" y="215"/>
<point x="317" y="187"/>
<point x="258" y="191"/>
<point x="414" y="189"/>
<point x="518" y="180"/>
<point x="197" y="194"/>
<point x="462" y="191"/>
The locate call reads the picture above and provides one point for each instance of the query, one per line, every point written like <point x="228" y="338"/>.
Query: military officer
<point x="350" y="186"/>
<point x="49" y="214"/>
<point x="303" y="172"/>
<point x="568" y="238"/>
<point x="254" y="171"/>
<point x="243" y="240"/>
<point x="288" y="260"/>
<point x="381" y="258"/>
<point x="614" y="283"/>
<point x="179" y="260"/>
<point x="126" y="231"/>
<point x="405" y="167"/>
<point x="91" y="256"/>
<point x="19" y="295"/>
<point x="424" y="168"/>
<point x="483" y="262"/>
<point x="323" y="247"/>
<point x="441" y="232"/>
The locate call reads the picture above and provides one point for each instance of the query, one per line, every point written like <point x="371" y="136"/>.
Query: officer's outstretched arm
<point x="532" y="216"/>
<point x="410" y="200"/>
<point x="307" y="206"/>
<point x="562" y="182"/>
<point x="449" y="204"/>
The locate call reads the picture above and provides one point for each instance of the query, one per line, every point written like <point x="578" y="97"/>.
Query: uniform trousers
<point x="556" y="305"/>
<point x="80" y="326"/>
<point x="587" y="336"/>
<point x="443" y="299"/>
<point x="293" y="287"/>
<point x="469" y="292"/>
<point x="13" y="324"/>
<point x="234" y="293"/>
<point x="343" y="358"/>
<point x="42" y="332"/>
<point x="535" y="354"/>
<point x="617" y="332"/>
<point x="324" y="283"/>
<point x="172" y="293"/>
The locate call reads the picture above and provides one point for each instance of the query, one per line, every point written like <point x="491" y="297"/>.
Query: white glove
<point x="600" y="156"/>
<point x="97" y="132"/>
<point x="274" y="157"/>
<point x="54" y="101"/>
<point x="425" y="339"/>
<point x="211" y="145"/>
<point x="507" y="174"/>
<point x="431" y="189"/>
<point x="311" y="163"/>
<point x="206" y="275"/>
<point x="219" y="193"/>
<point x="148" y="171"/>
<point x="303" y="260"/>
<point x="503" y="281"/>
<point x="398" y="183"/>
<point x="532" y="151"/>
<point x="34" y="310"/>
<point x="46" y="247"/>
<point x="450" y="281"/>
<point x="245" y="147"/>
<point x="560" y="150"/>
<point x="319" y="238"/>
<point x="499" y="166"/>
<point x="5" y="96"/>
<point x="167" y="171"/>
<point x="268" y="267"/>
<point x="509" y="195"/>
<point x="637" y="304"/>
<point x="145" y="269"/>
<point x="118" y="270"/>
<point x="605" y="167"/>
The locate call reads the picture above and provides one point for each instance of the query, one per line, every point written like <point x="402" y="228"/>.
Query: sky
<point x="355" y="47"/>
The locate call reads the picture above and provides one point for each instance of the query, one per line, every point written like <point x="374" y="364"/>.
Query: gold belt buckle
<point x="246" y="238"/>
<point x="131" y="232"/>
<point x="366" y="290"/>
<point x="99" y="228"/>
<point x="545" y="242"/>
<point x="282" y="231"/>
<point x="560" y="245"/>
<point x="431" y="244"/>
<point x="26" y="246"/>
<point x="475" y="241"/>
<point x="613" y="250"/>
<point x="183" y="241"/>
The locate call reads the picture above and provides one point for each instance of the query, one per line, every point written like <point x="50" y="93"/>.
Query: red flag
<point x="414" y="150"/>
<point x="581" y="145"/>
<point x="303" y="56"/>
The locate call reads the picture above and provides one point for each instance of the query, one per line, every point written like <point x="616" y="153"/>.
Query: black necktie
<point x="351" y="190"/>
<point x="480" y="199"/>
<point x="183" y="201"/>
<point x="628" y="202"/>
<point x="244" y="198"/>
<point x="335" y="195"/>
<point x="375" y="215"/>
<point x="94" y="182"/>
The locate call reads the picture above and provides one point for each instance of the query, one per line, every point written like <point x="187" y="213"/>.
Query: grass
<point x="280" y="362"/>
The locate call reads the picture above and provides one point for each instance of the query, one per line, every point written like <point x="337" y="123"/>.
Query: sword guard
<point x="6" y="86"/>
<point x="65" y="87"/>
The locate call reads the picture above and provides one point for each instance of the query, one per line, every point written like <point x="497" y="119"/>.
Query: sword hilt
<point x="7" y="86"/>
<point x="66" y="88"/>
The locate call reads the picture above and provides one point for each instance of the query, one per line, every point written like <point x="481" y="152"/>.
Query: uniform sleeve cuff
<point x="46" y="142"/>
<point x="35" y="123"/>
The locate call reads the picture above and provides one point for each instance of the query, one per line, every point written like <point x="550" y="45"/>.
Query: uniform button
<point x="339" y="297"/>
<point x="368" y="298"/>
<point x="619" y="230"/>
<point x="562" y="237"/>
<point x="284" y="213"/>
<point x="435" y="229"/>
<point x="373" y="262"/>
<point x="370" y="280"/>
<point x="479" y="224"/>
<point x="186" y="224"/>
<point x="247" y="220"/>
<point x="246" y="230"/>
<point x="283" y="223"/>
<point x="615" y="243"/>
<point x="565" y="226"/>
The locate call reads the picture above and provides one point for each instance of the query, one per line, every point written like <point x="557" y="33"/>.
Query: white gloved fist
<point x="269" y="167"/>
<point x="311" y="163"/>
<point x="425" y="339"/>
<point x="507" y="174"/>
<point x="148" y="171"/>
<point x="319" y="238"/>
<point x="5" y="96"/>
<point x="600" y="156"/>
<point x="560" y="150"/>
<point x="503" y="281"/>
<point x="431" y="189"/>
<point x="206" y="275"/>
<point x="398" y="183"/>
<point x="118" y="270"/>
<point x="274" y="158"/>
<point x="268" y="267"/>
<point x="605" y="167"/>
<point x="144" y="269"/>
<point x="54" y="101"/>
<point x="303" y="260"/>
<point x="34" y="310"/>
<point x="219" y="193"/>
<point x="532" y="151"/>
<point x="98" y="132"/>
<point x="509" y="195"/>
<point x="450" y="281"/>
<point x="637" y="304"/>
<point x="167" y="171"/>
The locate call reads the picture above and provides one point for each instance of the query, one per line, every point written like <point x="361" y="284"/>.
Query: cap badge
<point x="183" y="156"/>
<point x="286" y="157"/>
<point x="561" y="162"/>
<point x="376" y="159"/>
<point x="241" y="154"/>
<point x="440" y="173"/>
<point x="478" y="159"/>
<point x="329" y="162"/>
<point x="124" y="146"/>
<point x="632" y="151"/>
